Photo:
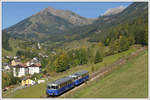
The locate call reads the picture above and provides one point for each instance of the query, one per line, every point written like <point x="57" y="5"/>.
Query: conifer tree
<point x="98" y="57"/>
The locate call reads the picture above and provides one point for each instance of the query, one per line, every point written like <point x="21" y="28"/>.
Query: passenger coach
<point x="59" y="86"/>
<point x="80" y="77"/>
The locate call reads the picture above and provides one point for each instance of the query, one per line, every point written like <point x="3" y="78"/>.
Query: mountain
<point x="47" y="22"/>
<point x="63" y="25"/>
<point x="113" y="11"/>
<point x="69" y="16"/>
<point x="131" y="12"/>
<point x="98" y="30"/>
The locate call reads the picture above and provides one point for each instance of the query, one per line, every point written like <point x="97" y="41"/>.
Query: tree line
<point x="136" y="32"/>
<point x="64" y="60"/>
<point x="5" y="41"/>
<point x="8" y="79"/>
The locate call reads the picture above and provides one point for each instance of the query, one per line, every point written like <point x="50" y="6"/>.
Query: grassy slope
<point x="39" y="90"/>
<point x="13" y="44"/>
<point x="77" y="44"/>
<point x="129" y="81"/>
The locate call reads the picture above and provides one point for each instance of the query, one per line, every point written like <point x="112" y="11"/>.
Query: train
<point x="64" y="84"/>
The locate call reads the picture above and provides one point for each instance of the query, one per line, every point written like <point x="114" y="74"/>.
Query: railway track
<point x="104" y="71"/>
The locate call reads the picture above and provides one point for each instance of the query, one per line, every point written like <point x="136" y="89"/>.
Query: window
<point x="75" y="78"/>
<point x="52" y="87"/>
<point x="48" y="87"/>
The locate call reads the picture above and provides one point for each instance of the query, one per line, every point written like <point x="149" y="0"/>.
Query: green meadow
<point x="129" y="81"/>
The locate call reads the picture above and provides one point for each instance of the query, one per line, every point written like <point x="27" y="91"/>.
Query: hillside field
<point x="129" y="81"/>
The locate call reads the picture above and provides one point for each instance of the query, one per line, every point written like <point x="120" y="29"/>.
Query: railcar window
<point x="75" y="78"/>
<point x="70" y="81"/>
<point x="67" y="82"/>
<point x="54" y="87"/>
<point x="48" y="87"/>
<point x="61" y="86"/>
<point x="80" y="77"/>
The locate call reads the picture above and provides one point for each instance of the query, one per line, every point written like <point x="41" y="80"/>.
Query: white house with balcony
<point x="34" y="68"/>
<point x="20" y="70"/>
<point x="31" y="67"/>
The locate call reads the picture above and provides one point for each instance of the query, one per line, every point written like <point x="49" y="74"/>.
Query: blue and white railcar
<point x="80" y="77"/>
<point x="59" y="86"/>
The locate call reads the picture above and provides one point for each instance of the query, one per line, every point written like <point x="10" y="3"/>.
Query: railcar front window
<point x="52" y="87"/>
<point x="75" y="78"/>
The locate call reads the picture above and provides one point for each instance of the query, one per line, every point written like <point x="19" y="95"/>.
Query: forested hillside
<point x="98" y="30"/>
<point x="5" y="41"/>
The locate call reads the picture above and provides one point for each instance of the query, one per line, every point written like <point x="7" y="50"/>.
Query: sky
<point x="13" y="12"/>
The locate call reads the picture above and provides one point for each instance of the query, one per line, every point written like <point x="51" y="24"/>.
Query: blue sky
<point x="13" y="12"/>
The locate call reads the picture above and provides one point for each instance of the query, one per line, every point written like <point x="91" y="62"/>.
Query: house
<point x="41" y="81"/>
<point x="8" y="57"/>
<point x="20" y="70"/>
<point x="39" y="46"/>
<point x="34" y="68"/>
<point x="15" y="62"/>
<point x="35" y="60"/>
<point x="6" y="67"/>
<point x="16" y="57"/>
<point x="31" y="67"/>
<point x="28" y="63"/>
<point x="45" y="56"/>
<point x="26" y="82"/>
<point x="42" y="55"/>
<point x="53" y="52"/>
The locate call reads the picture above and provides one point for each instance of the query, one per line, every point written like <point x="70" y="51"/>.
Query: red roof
<point x="23" y="65"/>
<point x="36" y="65"/>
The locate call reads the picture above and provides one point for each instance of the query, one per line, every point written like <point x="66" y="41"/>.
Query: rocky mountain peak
<point x="113" y="11"/>
<point x="50" y="8"/>
<point x="67" y="15"/>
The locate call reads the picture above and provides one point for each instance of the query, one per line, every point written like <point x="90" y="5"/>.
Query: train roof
<point x="79" y="73"/>
<point x="59" y="81"/>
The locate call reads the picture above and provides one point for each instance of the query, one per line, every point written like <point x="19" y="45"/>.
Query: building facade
<point x="22" y="69"/>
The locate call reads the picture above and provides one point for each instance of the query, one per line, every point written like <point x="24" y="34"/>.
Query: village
<point x="25" y="73"/>
<point x="21" y="70"/>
